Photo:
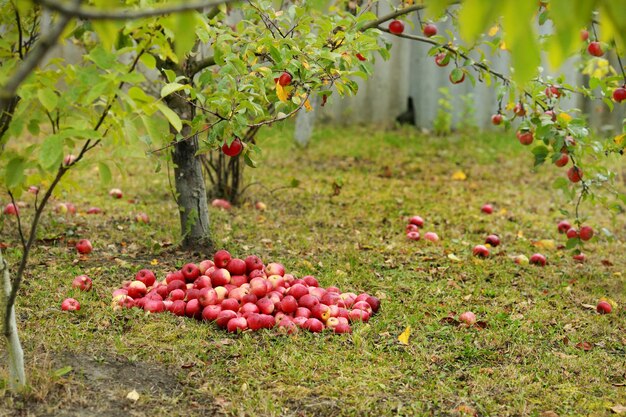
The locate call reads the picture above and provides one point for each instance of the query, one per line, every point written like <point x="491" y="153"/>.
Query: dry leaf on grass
<point x="133" y="395"/>
<point x="618" y="409"/>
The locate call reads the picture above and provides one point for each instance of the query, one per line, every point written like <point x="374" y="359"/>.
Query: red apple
<point x="551" y="114"/>
<point x="579" y="257"/>
<point x="205" y="265"/>
<point x="203" y="282"/>
<point x="137" y="289"/>
<point x="584" y="35"/>
<point x="525" y="137"/>
<point x="562" y="161"/>
<point x="492" y="240"/>
<point x="284" y="79"/>
<point x="358" y="315"/>
<point x="396" y="27"/>
<point x="70" y="304"/>
<point x="207" y="297"/>
<point x="458" y="80"/>
<point x="288" y="304"/>
<point x="154" y="306"/>
<point x="236" y="266"/>
<point x="440" y="59"/>
<point x="146" y="276"/>
<point x="116" y="193"/>
<point x="480" y="251"/>
<point x="220" y="277"/>
<point x="224" y="317"/>
<point x="84" y="247"/>
<point x="190" y="272"/>
<point x="413" y="236"/>
<point x="519" y="110"/>
<point x="487" y="209"/>
<point x="176" y="285"/>
<point x="275" y="269"/>
<point x="174" y="276"/>
<point x="210" y="312"/>
<point x="468" y="318"/>
<point x="311" y="281"/>
<point x="521" y="260"/>
<point x="258" y="286"/>
<point x="237" y="324"/>
<point x="221" y="293"/>
<point x="321" y="312"/>
<point x="82" y="282"/>
<point x="308" y="301"/>
<point x="142" y="218"/>
<point x="303" y="312"/>
<point x="176" y="295"/>
<point x="230" y="304"/>
<point x="360" y="57"/>
<point x="221" y="258"/>
<point x="595" y="49"/>
<point x="572" y="233"/>
<point x="417" y="220"/>
<point x="604" y="307"/>
<point x="266" y="305"/>
<point x="94" y="210"/>
<point x="586" y="233"/>
<point x="253" y="262"/>
<point x="619" y="94"/>
<point x="374" y="303"/>
<point x="287" y="326"/>
<point x="177" y="307"/>
<point x="552" y="91"/>
<point x="193" y="308"/>
<point x="298" y="290"/>
<point x="496" y="119"/>
<point x="429" y="30"/>
<point x="538" y="259"/>
<point x="574" y="174"/>
<point x="313" y="325"/>
<point x="431" y="236"/>
<point x="122" y="301"/>
<point x="564" y="226"/>
<point x="342" y="328"/>
<point x="233" y="149"/>
<point x="221" y="204"/>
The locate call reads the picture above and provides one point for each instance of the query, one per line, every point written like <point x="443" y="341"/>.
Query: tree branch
<point x="93" y="13"/>
<point x="197" y="66"/>
<point x="374" y="23"/>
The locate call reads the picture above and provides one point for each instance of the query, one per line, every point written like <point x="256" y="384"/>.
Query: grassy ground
<point x="344" y="223"/>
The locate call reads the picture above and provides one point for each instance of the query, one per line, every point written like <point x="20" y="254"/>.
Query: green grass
<point x="520" y="364"/>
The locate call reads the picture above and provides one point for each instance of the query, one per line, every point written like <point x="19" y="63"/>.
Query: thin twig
<point x="19" y="220"/>
<point x="19" y="31"/>
<point x="92" y="13"/>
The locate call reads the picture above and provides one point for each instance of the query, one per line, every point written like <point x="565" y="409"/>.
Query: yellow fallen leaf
<point x="494" y="30"/>
<point x="502" y="211"/>
<point x="545" y="244"/>
<point x="281" y="93"/>
<point x="154" y="262"/>
<point x="459" y="176"/>
<point x="307" y="105"/>
<point x="619" y="139"/>
<point x="453" y="257"/>
<point x="404" y="336"/>
<point x="133" y="395"/>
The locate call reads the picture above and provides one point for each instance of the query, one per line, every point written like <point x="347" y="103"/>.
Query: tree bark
<point x="17" y="376"/>
<point x="190" y="187"/>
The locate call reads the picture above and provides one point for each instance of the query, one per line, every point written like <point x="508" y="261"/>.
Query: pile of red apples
<point x="239" y="294"/>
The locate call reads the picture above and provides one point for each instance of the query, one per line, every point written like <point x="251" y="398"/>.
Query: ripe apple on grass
<point x="83" y="246"/>
<point x="70" y="304"/>
<point x="82" y="282"/>
<point x="604" y="307"/>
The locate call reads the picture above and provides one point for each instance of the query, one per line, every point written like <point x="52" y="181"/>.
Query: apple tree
<point x="193" y="82"/>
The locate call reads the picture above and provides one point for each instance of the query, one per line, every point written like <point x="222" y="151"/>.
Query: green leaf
<point x="48" y="98"/>
<point x="51" y="152"/>
<point x="62" y="371"/>
<point x="105" y="173"/>
<point x="170" y="116"/>
<point x="185" y="33"/>
<point x="456" y="75"/>
<point x="14" y="174"/>
<point x="475" y="16"/>
<point x="138" y="95"/>
<point x="148" y="60"/>
<point x="171" y="88"/>
<point x="107" y="32"/>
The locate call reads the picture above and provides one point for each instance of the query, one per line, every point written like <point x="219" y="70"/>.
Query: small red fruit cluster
<point x="239" y="294"/>
<point x="413" y="230"/>
<point x="585" y="233"/>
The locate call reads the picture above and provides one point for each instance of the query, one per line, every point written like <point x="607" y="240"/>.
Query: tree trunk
<point x="17" y="376"/>
<point x="190" y="188"/>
